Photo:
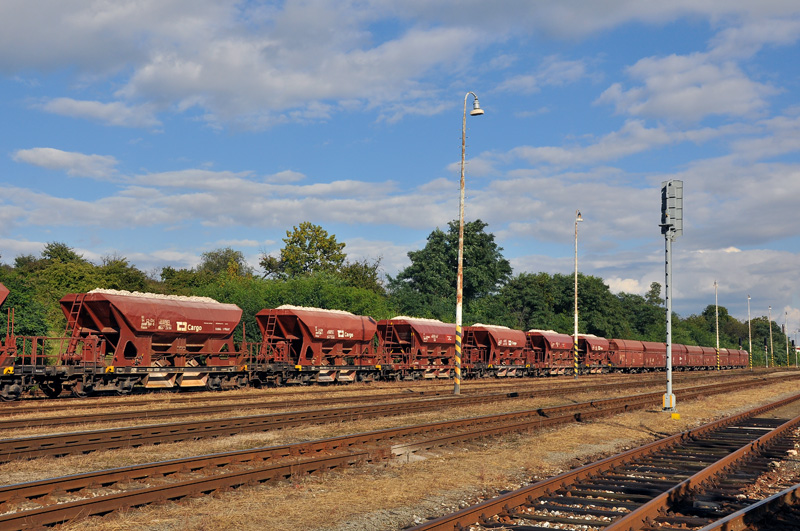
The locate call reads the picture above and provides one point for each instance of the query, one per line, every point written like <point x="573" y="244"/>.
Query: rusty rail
<point x="258" y="403"/>
<point x="504" y="504"/>
<point x="779" y="511"/>
<point x="369" y="446"/>
<point x="109" y="439"/>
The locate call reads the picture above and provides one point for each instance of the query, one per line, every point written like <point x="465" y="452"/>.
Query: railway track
<point x="434" y="388"/>
<point x="63" y="499"/>
<point x="687" y="481"/>
<point x="258" y="403"/>
<point x="114" y="438"/>
<point x="779" y="512"/>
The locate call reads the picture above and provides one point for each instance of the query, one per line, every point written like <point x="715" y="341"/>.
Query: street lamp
<point x="578" y="219"/>
<point x="771" y="352"/>
<point x="786" y="333"/>
<point x="716" y="318"/>
<point x="749" y="336"/>
<point x="476" y="111"/>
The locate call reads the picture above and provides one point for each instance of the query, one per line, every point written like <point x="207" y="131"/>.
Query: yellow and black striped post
<point x="575" y="356"/>
<point x="457" y="379"/>
<point x="718" y="367"/>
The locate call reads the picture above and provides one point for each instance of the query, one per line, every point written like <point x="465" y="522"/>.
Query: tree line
<point x="312" y="269"/>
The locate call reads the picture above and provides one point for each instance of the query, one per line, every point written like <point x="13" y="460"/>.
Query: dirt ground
<point x="397" y="494"/>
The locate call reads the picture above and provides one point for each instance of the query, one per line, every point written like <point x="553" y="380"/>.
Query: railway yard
<point x="399" y="455"/>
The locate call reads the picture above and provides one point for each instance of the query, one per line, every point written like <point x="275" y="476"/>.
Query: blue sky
<point x="157" y="130"/>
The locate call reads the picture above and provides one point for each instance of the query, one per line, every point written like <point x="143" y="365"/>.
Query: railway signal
<point x="671" y="227"/>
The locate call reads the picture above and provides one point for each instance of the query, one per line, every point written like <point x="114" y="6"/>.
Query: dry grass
<point x="389" y="496"/>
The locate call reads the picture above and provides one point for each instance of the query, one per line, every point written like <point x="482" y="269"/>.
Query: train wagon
<point x="626" y="354"/>
<point x="552" y="351"/>
<point x="593" y="353"/>
<point x="694" y="357"/>
<point x="118" y="339"/>
<point x="655" y="355"/>
<point x="709" y="357"/>
<point x="680" y="357"/>
<point x="412" y="348"/>
<point x="303" y="345"/>
<point x="490" y="350"/>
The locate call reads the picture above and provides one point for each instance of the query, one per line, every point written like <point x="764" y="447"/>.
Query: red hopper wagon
<point x="301" y="345"/>
<point x="413" y="348"/>
<point x="118" y="339"/>
<point x="490" y="350"/>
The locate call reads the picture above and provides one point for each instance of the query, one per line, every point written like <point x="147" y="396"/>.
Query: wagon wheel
<point x="79" y="390"/>
<point x="51" y="389"/>
<point x="8" y="393"/>
<point x="124" y="388"/>
<point x="214" y="383"/>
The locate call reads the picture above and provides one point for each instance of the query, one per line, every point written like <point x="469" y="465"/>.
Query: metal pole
<point x="749" y="336"/>
<point x="771" y="351"/>
<point x="669" y="398"/>
<point x="786" y="332"/>
<point x="716" y="318"/>
<point x="460" y="275"/>
<point x="575" y="338"/>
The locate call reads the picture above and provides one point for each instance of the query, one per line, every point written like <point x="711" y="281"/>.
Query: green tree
<point x="653" y="295"/>
<point x="29" y="313"/>
<point x="184" y="281"/>
<point x="61" y="252"/>
<point x="363" y="274"/>
<point x="307" y="249"/>
<point x="117" y="273"/>
<point x="224" y="260"/>
<point x="428" y="285"/>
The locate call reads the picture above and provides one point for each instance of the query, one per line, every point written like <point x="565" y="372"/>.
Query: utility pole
<point x="771" y="350"/>
<point x="716" y="318"/>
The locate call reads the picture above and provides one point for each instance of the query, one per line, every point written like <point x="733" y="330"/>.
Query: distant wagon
<point x="626" y="354"/>
<point x="655" y="355"/>
<point x="311" y="344"/>
<point x="552" y="350"/>
<point x="490" y="350"/>
<point x="413" y="347"/>
<point x="594" y="351"/>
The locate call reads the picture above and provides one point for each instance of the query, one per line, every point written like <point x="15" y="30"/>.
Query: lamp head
<point x="578" y="216"/>
<point x="476" y="108"/>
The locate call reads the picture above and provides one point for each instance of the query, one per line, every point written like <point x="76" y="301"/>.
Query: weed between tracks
<point x="390" y="495"/>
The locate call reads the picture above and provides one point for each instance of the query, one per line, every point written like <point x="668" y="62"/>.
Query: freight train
<point x="116" y="341"/>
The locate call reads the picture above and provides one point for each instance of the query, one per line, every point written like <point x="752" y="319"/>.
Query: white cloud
<point x="258" y="65"/>
<point x="752" y="35"/>
<point x="115" y="113"/>
<point x="552" y="72"/>
<point x="634" y="137"/>
<point x="688" y="88"/>
<point x="75" y="164"/>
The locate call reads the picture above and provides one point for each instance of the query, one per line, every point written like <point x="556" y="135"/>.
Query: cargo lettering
<point x="343" y="334"/>
<point x="183" y="326"/>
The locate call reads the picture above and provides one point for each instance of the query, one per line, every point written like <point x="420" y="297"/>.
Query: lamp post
<point x="771" y="352"/>
<point x="786" y="333"/>
<point x="749" y="336"/>
<point x="578" y="219"/>
<point x="716" y="319"/>
<point x="795" y="347"/>
<point x="476" y="111"/>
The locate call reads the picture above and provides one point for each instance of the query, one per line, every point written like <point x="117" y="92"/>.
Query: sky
<point x="156" y="130"/>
